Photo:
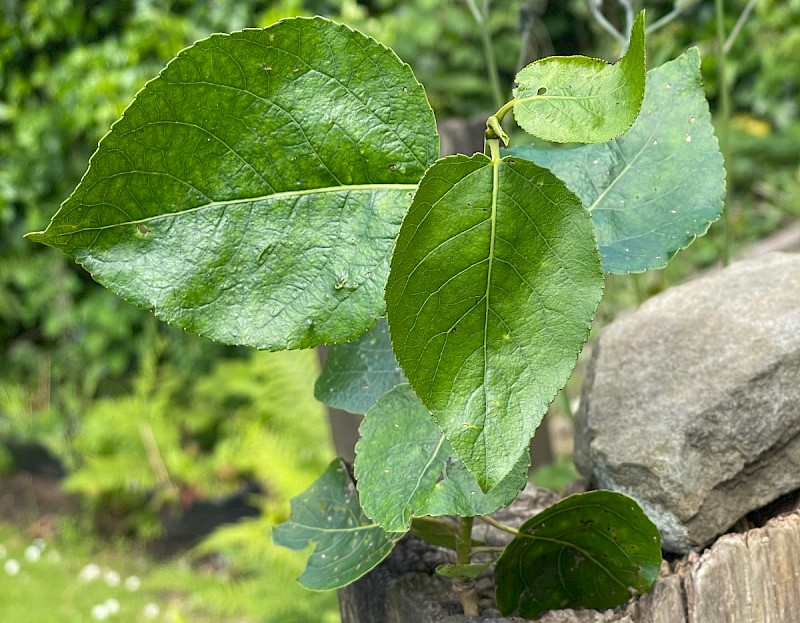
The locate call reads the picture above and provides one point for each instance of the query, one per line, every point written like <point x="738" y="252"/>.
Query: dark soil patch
<point x="34" y="502"/>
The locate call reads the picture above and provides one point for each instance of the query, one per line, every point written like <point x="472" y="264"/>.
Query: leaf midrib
<point x="496" y="161"/>
<point x="273" y="196"/>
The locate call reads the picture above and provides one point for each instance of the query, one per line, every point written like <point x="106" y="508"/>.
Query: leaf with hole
<point x="652" y="191"/>
<point x="590" y="550"/>
<point x="357" y="373"/>
<point x="252" y="192"/>
<point x="576" y="99"/>
<point x="493" y="285"/>
<point x="405" y="467"/>
<point x="346" y="543"/>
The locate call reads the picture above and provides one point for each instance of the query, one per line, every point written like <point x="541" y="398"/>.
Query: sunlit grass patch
<point x="73" y="579"/>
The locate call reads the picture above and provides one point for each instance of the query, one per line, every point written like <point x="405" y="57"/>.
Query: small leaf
<point x="652" y="191"/>
<point x="404" y="467"/>
<point x="252" y="192"/>
<point x="462" y="571"/>
<point x="494" y="283"/>
<point x="576" y="99"/>
<point x="328" y="515"/>
<point x="356" y="374"/>
<point x="591" y="550"/>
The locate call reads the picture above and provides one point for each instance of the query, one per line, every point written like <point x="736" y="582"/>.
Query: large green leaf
<point x="404" y="467"/>
<point x="652" y="191"/>
<point x="493" y="286"/>
<point x="356" y="374"/>
<point x="328" y="515"/>
<point x="252" y="192"/>
<point x="579" y="99"/>
<point x="591" y="550"/>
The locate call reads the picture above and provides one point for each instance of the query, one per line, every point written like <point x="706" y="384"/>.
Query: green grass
<point x="57" y="588"/>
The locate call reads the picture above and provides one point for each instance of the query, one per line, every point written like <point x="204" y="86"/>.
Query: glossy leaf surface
<point x="591" y="550"/>
<point x="493" y="286"/>
<point x="652" y="191"/>
<point x="356" y="374"/>
<point x="404" y="467"/>
<point x="576" y="99"/>
<point x="252" y="192"/>
<point x="328" y="515"/>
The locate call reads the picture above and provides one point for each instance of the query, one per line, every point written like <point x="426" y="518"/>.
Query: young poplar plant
<point x="280" y="188"/>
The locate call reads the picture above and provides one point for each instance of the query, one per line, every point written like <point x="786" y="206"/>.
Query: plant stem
<point x="596" y="9"/>
<point x="465" y="587"/>
<point x="499" y="525"/>
<point x="464" y="545"/>
<point x="482" y="19"/>
<point x="724" y="116"/>
<point x="566" y="406"/>
<point x="738" y="26"/>
<point x="677" y="9"/>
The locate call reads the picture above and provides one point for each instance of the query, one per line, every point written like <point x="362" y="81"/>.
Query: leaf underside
<point x="591" y="550"/>
<point x="652" y="191"/>
<point x="328" y="515"/>
<point x="252" y="192"/>
<point x="405" y="467"/>
<point x="576" y="99"/>
<point x="356" y="374"/>
<point x="494" y="283"/>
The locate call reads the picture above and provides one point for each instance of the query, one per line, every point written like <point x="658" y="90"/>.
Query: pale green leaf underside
<point x="493" y="286"/>
<point x="652" y="191"/>
<point x="328" y="515"/>
<point x="591" y="550"/>
<point x="356" y="374"/>
<point x="252" y="192"/>
<point x="405" y="467"/>
<point x="576" y="99"/>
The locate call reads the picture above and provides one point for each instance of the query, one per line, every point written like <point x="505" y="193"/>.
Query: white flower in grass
<point x="11" y="567"/>
<point x="112" y="605"/>
<point x="89" y="573"/>
<point x="151" y="611"/>
<point x="111" y="578"/>
<point x="100" y="612"/>
<point x="32" y="553"/>
<point x="132" y="583"/>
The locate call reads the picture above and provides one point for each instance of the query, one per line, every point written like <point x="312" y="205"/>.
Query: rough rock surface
<point x="692" y="403"/>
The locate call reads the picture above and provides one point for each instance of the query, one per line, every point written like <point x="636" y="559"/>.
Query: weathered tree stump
<point x="747" y="577"/>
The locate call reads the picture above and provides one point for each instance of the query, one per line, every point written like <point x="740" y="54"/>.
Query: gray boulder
<point x="691" y="404"/>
